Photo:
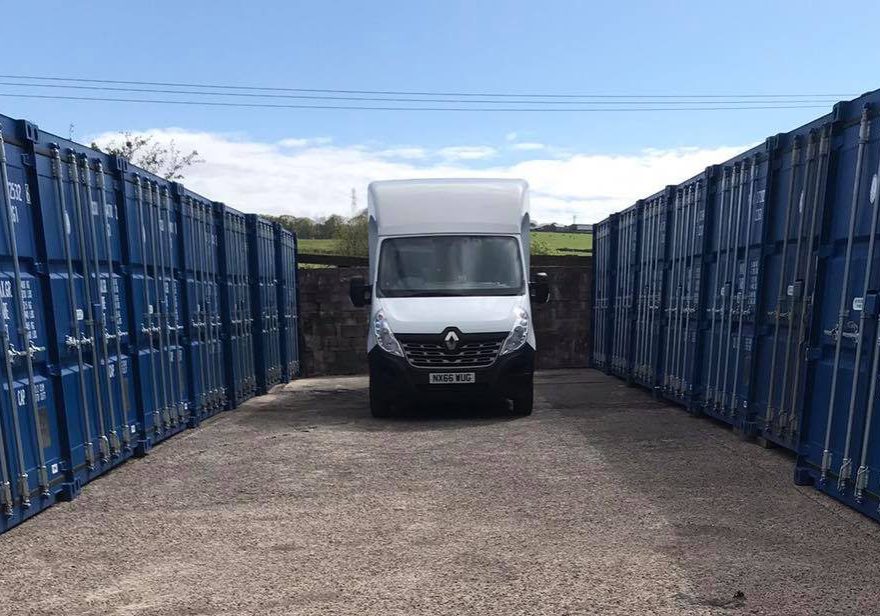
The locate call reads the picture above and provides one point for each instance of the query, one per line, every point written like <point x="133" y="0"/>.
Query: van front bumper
<point x="396" y="381"/>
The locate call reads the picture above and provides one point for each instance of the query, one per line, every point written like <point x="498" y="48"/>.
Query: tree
<point x="303" y="227"/>
<point x="330" y="227"/>
<point x="354" y="237"/>
<point x="163" y="159"/>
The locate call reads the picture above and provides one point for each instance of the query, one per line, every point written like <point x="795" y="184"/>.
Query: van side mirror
<point x="360" y="293"/>
<point x="539" y="289"/>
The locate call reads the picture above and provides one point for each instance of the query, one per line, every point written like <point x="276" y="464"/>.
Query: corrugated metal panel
<point x="205" y="353"/>
<point x="604" y="282"/>
<point x="839" y="445"/>
<point x="628" y="239"/>
<point x="771" y="326"/>
<point x="682" y="357"/>
<point x="34" y="463"/>
<point x="736" y="208"/>
<point x="795" y="203"/>
<point x="285" y="252"/>
<point x="115" y="332"/>
<point x="235" y="296"/>
<point x="264" y="299"/>
<point x="156" y="331"/>
<point x="652" y="279"/>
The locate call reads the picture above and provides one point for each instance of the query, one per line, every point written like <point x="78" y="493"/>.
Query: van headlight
<point x="384" y="336"/>
<point x="519" y="334"/>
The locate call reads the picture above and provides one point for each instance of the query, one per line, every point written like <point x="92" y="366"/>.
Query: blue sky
<point x="637" y="48"/>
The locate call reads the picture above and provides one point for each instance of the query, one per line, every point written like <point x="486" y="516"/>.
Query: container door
<point x="32" y="459"/>
<point x="838" y="441"/>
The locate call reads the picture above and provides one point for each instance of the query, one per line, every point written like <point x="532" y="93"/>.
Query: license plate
<point x="451" y="378"/>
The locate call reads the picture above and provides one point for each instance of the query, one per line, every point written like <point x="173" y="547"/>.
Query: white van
<point x="449" y="292"/>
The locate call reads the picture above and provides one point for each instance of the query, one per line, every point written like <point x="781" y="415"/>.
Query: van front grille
<point x="473" y="351"/>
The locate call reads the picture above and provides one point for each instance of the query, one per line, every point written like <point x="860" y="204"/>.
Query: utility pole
<point x="354" y="202"/>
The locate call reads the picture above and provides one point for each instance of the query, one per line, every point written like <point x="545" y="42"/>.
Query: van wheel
<point x="522" y="405"/>
<point x="379" y="407"/>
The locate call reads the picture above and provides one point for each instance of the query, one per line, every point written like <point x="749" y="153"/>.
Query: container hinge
<point x="44" y="481"/>
<point x="845" y="473"/>
<point x="826" y="465"/>
<point x="832" y="333"/>
<point x="6" y="498"/>
<point x="769" y="424"/>
<point x="861" y="482"/>
<point x="90" y="455"/>
<point x="24" y="489"/>
<point x="104" y="447"/>
<point x="114" y="442"/>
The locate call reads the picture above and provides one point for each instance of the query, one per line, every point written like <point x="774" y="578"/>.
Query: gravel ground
<point x="603" y="502"/>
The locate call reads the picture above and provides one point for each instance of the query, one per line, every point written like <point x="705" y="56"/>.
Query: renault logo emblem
<point x="451" y="340"/>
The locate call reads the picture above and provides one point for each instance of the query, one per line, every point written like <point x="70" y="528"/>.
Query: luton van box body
<point x="449" y="292"/>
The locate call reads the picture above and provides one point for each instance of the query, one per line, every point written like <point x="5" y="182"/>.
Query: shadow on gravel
<point x="351" y="407"/>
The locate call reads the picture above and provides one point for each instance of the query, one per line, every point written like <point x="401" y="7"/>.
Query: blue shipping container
<point x="235" y="297"/>
<point x="285" y="251"/>
<point x="770" y="299"/>
<point x="264" y="299"/>
<point x="604" y="260"/>
<point x="122" y="294"/>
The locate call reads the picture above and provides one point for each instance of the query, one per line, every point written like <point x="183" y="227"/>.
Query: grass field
<point x="317" y="247"/>
<point x="574" y="244"/>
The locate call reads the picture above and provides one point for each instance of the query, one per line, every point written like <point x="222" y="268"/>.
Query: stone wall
<point x="334" y="332"/>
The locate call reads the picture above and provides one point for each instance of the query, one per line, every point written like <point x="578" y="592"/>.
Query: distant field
<point x="317" y="247"/>
<point x="577" y="244"/>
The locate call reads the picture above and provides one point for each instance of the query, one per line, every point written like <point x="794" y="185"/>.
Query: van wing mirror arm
<point x="539" y="289"/>
<point x="360" y="293"/>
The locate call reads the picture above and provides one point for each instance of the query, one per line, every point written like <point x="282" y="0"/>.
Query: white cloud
<point x="528" y="146"/>
<point x="409" y="153"/>
<point x="304" y="142"/>
<point x="317" y="180"/>
<point x="467" y="152"/>
<point x="512" y="136"/>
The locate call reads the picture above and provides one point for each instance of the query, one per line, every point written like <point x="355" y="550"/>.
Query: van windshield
<point x="450" y="265"/>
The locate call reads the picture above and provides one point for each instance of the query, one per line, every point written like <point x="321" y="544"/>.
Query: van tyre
<point x="380" y="408"/>
<point x="522" y="405"/>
